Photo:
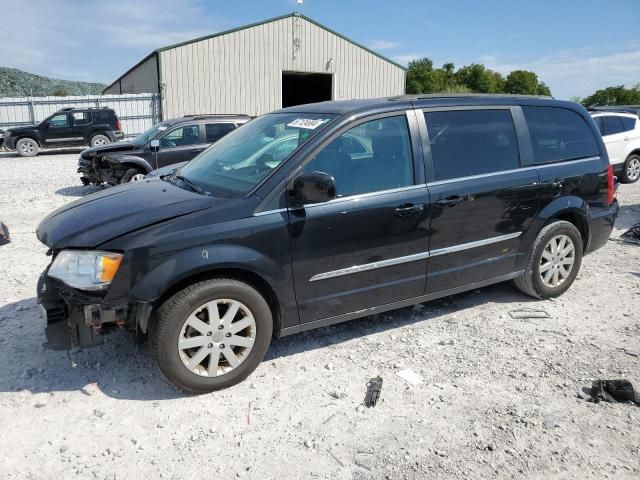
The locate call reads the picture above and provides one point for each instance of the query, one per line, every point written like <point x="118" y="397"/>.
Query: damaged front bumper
<point x="75" y="318"/>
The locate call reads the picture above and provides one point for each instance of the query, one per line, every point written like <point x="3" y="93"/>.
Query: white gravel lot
<point x="499" y="398"/>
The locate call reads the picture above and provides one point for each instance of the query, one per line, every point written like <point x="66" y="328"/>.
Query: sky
<point x="575" y="46"/>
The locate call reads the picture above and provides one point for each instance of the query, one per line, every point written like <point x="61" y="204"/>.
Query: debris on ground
<point x="374" y="386"/>
<point x="4" y="234"/>
<point x="610" y="391"/>
<point x="410" y="376"/>
<point x="632" y="235"/>
<point x="526" y="313"/>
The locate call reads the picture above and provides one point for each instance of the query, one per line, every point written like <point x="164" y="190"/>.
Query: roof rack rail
<point x="66" y="109"/>
<point x="424" y="96"/>
<point x="196" y="115"/>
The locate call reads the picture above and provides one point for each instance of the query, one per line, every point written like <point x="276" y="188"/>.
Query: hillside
<point x="16" y="83"/>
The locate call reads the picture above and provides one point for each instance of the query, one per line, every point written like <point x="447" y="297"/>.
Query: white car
<point x="621" y="134"/>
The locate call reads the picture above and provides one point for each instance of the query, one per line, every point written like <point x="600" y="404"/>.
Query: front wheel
<point x="631" y="170"/>
<point x="27" y="147"/>
<point x="132" y="175"/>
<point x="211" y="335"/>
<point x="554" y="261"/>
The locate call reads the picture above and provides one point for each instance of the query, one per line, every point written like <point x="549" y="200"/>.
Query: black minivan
<point x="368" y="206"/>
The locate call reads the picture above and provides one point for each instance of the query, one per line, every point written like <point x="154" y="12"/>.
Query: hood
<point x="21" y="127"/>
<point x="103" y="216"/>
<point x="166" y="170"/>
<point x="115" y="147"/>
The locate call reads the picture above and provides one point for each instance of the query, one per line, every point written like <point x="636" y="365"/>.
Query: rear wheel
<point x="98" y="140"/>
<point x="554" y="261"/>
<point x="631" y="170"/>
<point x="27" y="147"/>
<point x="211" y="335"/>
<point x="132" y="175"/>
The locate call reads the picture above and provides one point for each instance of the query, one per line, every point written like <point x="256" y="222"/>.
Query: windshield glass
<point x="240" y="160"/>
<point x="151" y="133"/>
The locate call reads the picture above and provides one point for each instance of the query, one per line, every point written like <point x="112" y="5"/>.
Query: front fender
<point x="571" y="205"/>
<point x="124" y="161"/>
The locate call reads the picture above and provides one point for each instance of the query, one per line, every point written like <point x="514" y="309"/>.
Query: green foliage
<point x="613" y="96"/>
<point x="422" y="77"/>
<point x="16" y="83"/>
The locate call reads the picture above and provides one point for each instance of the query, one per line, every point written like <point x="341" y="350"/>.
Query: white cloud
<point x="383" y="45"/>
<point x="405" y="58"/>
<point x="578" y="72"/>
<point x="91" y="41"/>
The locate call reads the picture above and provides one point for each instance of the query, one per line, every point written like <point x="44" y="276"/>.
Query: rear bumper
<point x="600" y="226"/>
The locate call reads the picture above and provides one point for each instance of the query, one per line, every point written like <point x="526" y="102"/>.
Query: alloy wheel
<point x="557" y="261"/>
<point x="27" y="147"/>
<point x="633" y="169"/>
<point x="217" y="337"/>
<point x="138" y="177"/>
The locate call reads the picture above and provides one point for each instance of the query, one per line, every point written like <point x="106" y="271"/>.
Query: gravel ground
<point x="498" y="400"/>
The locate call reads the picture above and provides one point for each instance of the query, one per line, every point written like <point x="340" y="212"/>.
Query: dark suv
<point x="68" y="127"/>
<point x="376" y="205"/>
<point x="166" y="143"/>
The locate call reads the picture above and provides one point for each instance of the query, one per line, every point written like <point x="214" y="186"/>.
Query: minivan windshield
<point x="240" y="160"/>
<point x="151" y="133"/>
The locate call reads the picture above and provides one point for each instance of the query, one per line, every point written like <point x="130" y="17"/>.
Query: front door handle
<point x="409" y="209"/>
<point x="450" y="201"/>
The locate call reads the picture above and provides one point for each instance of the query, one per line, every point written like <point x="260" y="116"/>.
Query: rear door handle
<point x="626" y="139"/>
<point x="409" y="209"/>
<point x="450" y="201"/>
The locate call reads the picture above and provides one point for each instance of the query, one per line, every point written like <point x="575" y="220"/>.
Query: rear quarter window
<point x="628" y="123"/>
<point x="559" y="134"/>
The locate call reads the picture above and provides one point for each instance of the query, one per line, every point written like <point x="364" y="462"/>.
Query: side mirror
<point x="314" y="187"/>
<point x="46" y="124"/>
<point x="154" y="145"/>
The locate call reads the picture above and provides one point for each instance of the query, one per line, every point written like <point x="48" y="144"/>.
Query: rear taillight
<point x="118" y="125"/>
<point x="611" y="188"/>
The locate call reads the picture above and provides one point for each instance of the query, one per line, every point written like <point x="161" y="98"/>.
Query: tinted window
<point x="471" y="142"/>
<point x="187" y="135"/>
<point x="387" y="165"/>
<point x="215" y="131"/>
<point x="82" y="118"/>
<point x="598" y="121"/>
<point x="102" y="116"/>
<point x="628" y="123"/>
<point x="559" y="134"/>
<point x="59" y="121"/>
<point x="612" y="125"/>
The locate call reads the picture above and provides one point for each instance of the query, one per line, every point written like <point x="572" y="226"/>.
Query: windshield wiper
<point x="191" y="185"/>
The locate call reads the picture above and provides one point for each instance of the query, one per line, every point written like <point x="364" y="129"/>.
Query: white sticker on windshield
<point x="162" y="128"/>
<point x="308" y="123"/>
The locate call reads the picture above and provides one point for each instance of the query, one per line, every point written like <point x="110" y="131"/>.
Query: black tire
<point x="27" y="147"/>
<point x="165" y="328"/>
<point x="99" y="139"/>
<point x="630" y="172"/>
<point x="531" y="281"/>
<point x="131" y="174"/>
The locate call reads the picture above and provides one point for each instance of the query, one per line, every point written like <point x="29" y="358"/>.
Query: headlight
<point x="85" y="270"/>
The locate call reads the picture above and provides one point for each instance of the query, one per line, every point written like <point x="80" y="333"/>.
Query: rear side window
<point x="559" y="134"/>
<point x="82" y="118"/>
<point x="471" y="142"/>
<point x="628" y="123"/>
<point x="102" y="117"/>
<point x="215" y="131"/>
<point x="612" y="125"/>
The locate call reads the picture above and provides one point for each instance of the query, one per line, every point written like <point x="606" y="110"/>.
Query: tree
<point x="480" y="79"/>
<point x="522" y="82"/>
<point x="618" y="95"/>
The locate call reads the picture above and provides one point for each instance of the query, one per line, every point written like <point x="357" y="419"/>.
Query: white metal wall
<point x="241" y="72"/>
<point x="142" y="79"/>
<point x="136" y="112"/>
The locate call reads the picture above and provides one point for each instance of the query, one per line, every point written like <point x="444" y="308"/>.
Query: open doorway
<point x="299" y="88"/>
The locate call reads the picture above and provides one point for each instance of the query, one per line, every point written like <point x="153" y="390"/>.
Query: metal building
<point x="258" y="68"/>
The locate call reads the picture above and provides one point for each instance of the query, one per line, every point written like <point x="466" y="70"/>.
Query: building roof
<point x="251" y="25"/>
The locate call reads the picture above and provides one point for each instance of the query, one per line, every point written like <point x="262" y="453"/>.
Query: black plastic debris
<point x="374" y="386"/>
<point x="632" y="235"/>
<point x="610" y="391"/>
<point x="4" y="234"/>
